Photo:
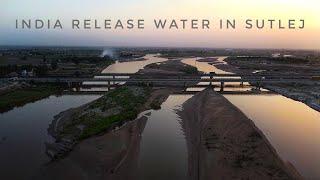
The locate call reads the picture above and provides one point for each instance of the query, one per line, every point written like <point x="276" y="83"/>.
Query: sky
<point x="214" y="10"/>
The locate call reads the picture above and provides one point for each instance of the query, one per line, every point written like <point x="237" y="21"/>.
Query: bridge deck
<point x="167" y="79"/>
<point x="155" y="80"/>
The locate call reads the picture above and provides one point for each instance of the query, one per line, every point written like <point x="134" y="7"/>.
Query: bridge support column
<point x="109" y="85"/>
<point x="221" y="86"/>
<point x="78" y="85"/>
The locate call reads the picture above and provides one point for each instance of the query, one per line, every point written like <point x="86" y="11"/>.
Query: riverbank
<point x="22" y="93"/>
<point x="112" y="110"/>
<point x="226" y="144"/>
<point x="173" y="66"/>
<point x="309" y="95"/>
<point x="111" y="153"/>
<point x="105" y="128"/>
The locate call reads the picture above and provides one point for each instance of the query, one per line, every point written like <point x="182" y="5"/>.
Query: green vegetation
<point x="39" y="70"/>
<point x="87" y="59"/>
<point x="267" y="60"/>
<point x="190" y="70"/>
<point x="116" y="106"/>
<point x="175" y="66"/>
<point x="20" y="97"/>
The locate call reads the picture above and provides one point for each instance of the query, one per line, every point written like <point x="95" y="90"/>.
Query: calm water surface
<point x="163" y="149"/>
<point x="23" y="132"/>
<point x="292" y="127"/>
<point x="133" y="66"/>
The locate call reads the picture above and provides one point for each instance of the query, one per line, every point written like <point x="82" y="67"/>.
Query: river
<point x="133" y="66"/>
<point x="290" y="126"/>
<point x="163" y="148"/>
<point x="23" y="133"/>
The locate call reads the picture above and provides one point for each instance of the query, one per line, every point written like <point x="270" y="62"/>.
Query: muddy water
<point x="123" y="67"/>
<point x="23" y="132"/>
<point x="204" y="66"/>
<point x="163" y="149"/>
<point x="207" y="68"/>
<point x="133" y="66"/>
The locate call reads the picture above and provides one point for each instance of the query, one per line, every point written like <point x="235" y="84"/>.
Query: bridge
<point x="176" y="80"/>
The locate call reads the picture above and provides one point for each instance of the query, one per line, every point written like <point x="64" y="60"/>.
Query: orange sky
<point x="308" y="38"/>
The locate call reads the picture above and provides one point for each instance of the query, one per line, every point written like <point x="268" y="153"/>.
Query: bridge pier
<point x="221" y="86"/>
<point x="77" y="85"/>
<point x="109" y="85"/>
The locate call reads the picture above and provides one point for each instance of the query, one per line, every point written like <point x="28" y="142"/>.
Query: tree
<point x="54" y="65"/>
<point x="44" y="59"/>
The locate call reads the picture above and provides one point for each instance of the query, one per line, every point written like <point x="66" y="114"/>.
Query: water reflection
<point x="23" y="132"/>
<point x="163" y="151"/>
<point x="133" y="66"/>
<point x="291" y="127"/>
<point x="123" y="67"/>
<point x="205" y="66"/>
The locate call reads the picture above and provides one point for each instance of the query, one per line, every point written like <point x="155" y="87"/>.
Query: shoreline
<point x="69" y="127"/>
<point x="110" y="154"/>
<point x="301" y="97"/>
<point x="226" y="144"/>
<point x="65" y="147"/>
<point x="123" y="162"/>
<point x="66" y="139"/>
<point x="20" y="94"/>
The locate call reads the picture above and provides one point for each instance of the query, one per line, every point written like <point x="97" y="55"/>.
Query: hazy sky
<point x="65" y="10"/>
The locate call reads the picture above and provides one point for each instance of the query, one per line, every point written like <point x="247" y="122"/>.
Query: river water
<point x="163" y="148"/>
<point x="133" y="66"/>
<point x="291" y="127"/>
<point x="23" y="132"/>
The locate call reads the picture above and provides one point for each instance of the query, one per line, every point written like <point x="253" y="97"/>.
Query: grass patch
<point x="103" y="124"/>
<point x="190" y="70"/>
<point x="20" y="97"/>
<point x="98" y="117"/>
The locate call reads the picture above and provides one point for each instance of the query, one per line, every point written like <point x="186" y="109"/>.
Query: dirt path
<point x="223" y="143"/>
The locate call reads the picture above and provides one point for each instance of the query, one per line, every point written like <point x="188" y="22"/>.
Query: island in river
<point x="222" y="143"/>
<point x="102" y="139"/>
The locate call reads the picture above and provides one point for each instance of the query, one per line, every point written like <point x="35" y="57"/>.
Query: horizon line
<point x="163" y="47"/>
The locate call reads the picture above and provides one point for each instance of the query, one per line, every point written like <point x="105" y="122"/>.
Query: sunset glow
<point x="214" y="10"/>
